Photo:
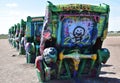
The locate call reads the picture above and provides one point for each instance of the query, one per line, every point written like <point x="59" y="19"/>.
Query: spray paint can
<point x="47" y="73"/>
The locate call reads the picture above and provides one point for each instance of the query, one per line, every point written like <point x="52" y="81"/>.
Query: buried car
<point x="71" y="41"/>
<point x="22" y="37"/>
<point x="32" y="37"/>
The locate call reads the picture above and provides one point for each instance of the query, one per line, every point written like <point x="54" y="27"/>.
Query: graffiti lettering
<point x="76" y="7"/>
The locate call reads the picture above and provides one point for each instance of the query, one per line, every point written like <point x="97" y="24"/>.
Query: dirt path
<point x="13" y="69"/>
<point x="112" y="67"/>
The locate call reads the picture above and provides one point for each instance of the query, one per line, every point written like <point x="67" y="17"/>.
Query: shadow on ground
<point x="88" y="80"/>
<point x="106" y="72"/>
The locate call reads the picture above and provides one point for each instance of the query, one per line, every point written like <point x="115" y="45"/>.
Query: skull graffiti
<point x="78" y="33"/>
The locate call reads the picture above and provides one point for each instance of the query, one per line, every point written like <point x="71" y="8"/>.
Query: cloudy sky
<point x="12" y="11"/>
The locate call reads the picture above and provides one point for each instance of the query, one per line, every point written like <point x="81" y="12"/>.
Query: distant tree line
<point x="113" y="31"/>
<point x="3" y="36"/>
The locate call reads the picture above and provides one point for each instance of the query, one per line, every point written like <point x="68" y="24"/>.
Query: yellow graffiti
<point x="66" y="40"/>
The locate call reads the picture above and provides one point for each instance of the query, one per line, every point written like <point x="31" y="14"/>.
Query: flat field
<point x="13" y="69"/>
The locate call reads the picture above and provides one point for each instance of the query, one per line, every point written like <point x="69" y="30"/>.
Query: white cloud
<point x="11" y="5"/>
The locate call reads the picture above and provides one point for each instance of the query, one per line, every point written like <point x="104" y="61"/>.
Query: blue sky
<point x="12" y="11"/>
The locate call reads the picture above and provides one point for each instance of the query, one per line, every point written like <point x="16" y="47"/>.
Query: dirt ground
<point x="13" y="69"/>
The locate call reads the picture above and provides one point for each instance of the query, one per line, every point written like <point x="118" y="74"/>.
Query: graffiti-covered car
<point x="17" y="40"/>
<point x="32" y="37"/>
<point x="22" y="37"/>
<point x="14" y="36"/>
<point x="71" y="41"/>
<point x="10" y="35"/>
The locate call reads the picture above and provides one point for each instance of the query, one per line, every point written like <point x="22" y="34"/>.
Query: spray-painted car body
<point x="71" y="42"/>
<point x="14" y="36"/>
<point x="10" y="35"/>
<point x="17" y="36"/>
<point x="32" y="36"/>
<point x="22" y="38"/>
<point x="14" y="28"/>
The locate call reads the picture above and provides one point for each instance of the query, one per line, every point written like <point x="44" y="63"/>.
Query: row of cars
<point x="66" y="43"/>
<point x="16" y="34"/>
<point x="25" y="37"/>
